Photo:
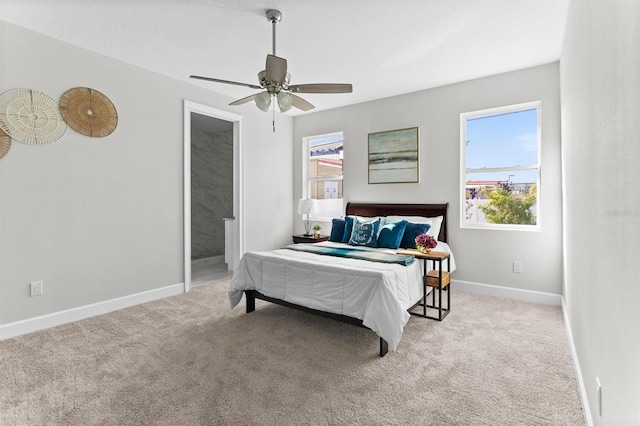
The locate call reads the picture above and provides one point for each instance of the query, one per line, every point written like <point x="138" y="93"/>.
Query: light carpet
<point x="191" y="360"/>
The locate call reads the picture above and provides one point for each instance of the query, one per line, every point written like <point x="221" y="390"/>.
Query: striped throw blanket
<point x="354" y="253"/>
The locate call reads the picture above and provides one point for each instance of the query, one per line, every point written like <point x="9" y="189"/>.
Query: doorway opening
<point x="212" y="187"/>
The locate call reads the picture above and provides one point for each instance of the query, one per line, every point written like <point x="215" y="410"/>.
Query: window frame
<point x="307" y="180"/>
<point x="464" y="117"/>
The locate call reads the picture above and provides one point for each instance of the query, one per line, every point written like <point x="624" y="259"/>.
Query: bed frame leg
<point x="251" y="301"/>
<point x="384" y="347"/>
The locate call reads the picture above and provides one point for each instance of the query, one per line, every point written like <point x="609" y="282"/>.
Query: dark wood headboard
<point x="425" y="210"/>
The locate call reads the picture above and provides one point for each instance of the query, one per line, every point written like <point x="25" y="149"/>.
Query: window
<point x="322" y="173"/>
<point x="500" y="167"/>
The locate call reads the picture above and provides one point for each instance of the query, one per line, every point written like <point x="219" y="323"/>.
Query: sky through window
<point x="503" y="140"/>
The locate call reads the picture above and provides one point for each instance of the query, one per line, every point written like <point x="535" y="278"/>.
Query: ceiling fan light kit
<point x="274" y="81"/>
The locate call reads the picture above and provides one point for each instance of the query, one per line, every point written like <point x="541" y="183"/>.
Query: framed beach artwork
<point x="393" y="156"/>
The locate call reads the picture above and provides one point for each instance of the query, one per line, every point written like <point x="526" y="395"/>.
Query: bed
<point x="371" y="294"/>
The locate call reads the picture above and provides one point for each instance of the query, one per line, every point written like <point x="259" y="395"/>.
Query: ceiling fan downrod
<point x="274" y="16"/>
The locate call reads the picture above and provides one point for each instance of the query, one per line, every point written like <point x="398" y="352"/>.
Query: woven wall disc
<point x="31" y="117"/>
<point x="5" y="143"/>
<point x="89" y="112"/>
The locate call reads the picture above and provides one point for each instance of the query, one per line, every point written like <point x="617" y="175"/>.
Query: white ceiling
<point x="383" y="47"/>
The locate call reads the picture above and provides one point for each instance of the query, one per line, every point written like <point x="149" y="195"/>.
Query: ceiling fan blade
<point x="276" y="70"/>
<point x="321" y="88"/>
<point x="243" y="100"/>
<point x="217" y="80"/>
<point x="300" y="103"/>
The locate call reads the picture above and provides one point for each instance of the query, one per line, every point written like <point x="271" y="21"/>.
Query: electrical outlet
<point x="36" y="288"/>
<point x="599" y="394"/>
<point x="517" y="267"/>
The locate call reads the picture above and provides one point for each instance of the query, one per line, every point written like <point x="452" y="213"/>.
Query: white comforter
<point x="377" y="293"/>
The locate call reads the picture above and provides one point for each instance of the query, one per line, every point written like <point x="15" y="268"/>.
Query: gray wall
<point x="211" y="184"/>
<point x="98" y="219"/>
<point x="482" y="256"/>
<point x="600" y="80"/>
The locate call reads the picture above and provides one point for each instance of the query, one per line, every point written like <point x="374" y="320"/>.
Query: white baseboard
<point x="43" y="322"/>
<point x="509" y="293"/>
<point x="586" y="411"/>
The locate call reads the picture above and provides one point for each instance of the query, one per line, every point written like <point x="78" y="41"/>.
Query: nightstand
<point x="438" y="279"/>
<point x="309" y="239"/>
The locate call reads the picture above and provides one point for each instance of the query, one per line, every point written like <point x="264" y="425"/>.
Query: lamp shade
<point x="263" y="100"/>
<point x="307" y="206"/>
<point x="285" y="101"/>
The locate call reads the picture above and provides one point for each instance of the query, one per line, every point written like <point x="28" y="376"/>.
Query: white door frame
<point x="238" y="238"/>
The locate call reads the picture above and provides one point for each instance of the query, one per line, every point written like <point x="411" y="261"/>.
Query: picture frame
<point x="393" y="156"/>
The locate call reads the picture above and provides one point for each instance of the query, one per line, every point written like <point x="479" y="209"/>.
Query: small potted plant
<point x="316" y="230"/>
<point x="425" y="242"/>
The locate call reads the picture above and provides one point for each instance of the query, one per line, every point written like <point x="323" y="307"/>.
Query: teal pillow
<point x="337" y="230"/>
<point x="411" y="232"/>
<point x="391" y="234"/>
<point x="365" y="233"/>
<point x="348" y="227"/>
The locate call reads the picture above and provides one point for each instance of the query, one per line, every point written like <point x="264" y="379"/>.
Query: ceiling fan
<point x="274" y="80"/>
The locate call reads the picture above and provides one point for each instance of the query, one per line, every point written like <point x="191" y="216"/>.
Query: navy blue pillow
<point x="337" y="230"/>
<point x="365" y="233"/>
<point x="391" y="234"/>
<point x="348" y="226"/>
<point x="411" y="232"/>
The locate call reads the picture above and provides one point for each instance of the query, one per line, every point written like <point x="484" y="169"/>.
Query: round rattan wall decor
<point x="89" y="112"/>
<point x="31" y="117"/>
<point x="5" y="143"/>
